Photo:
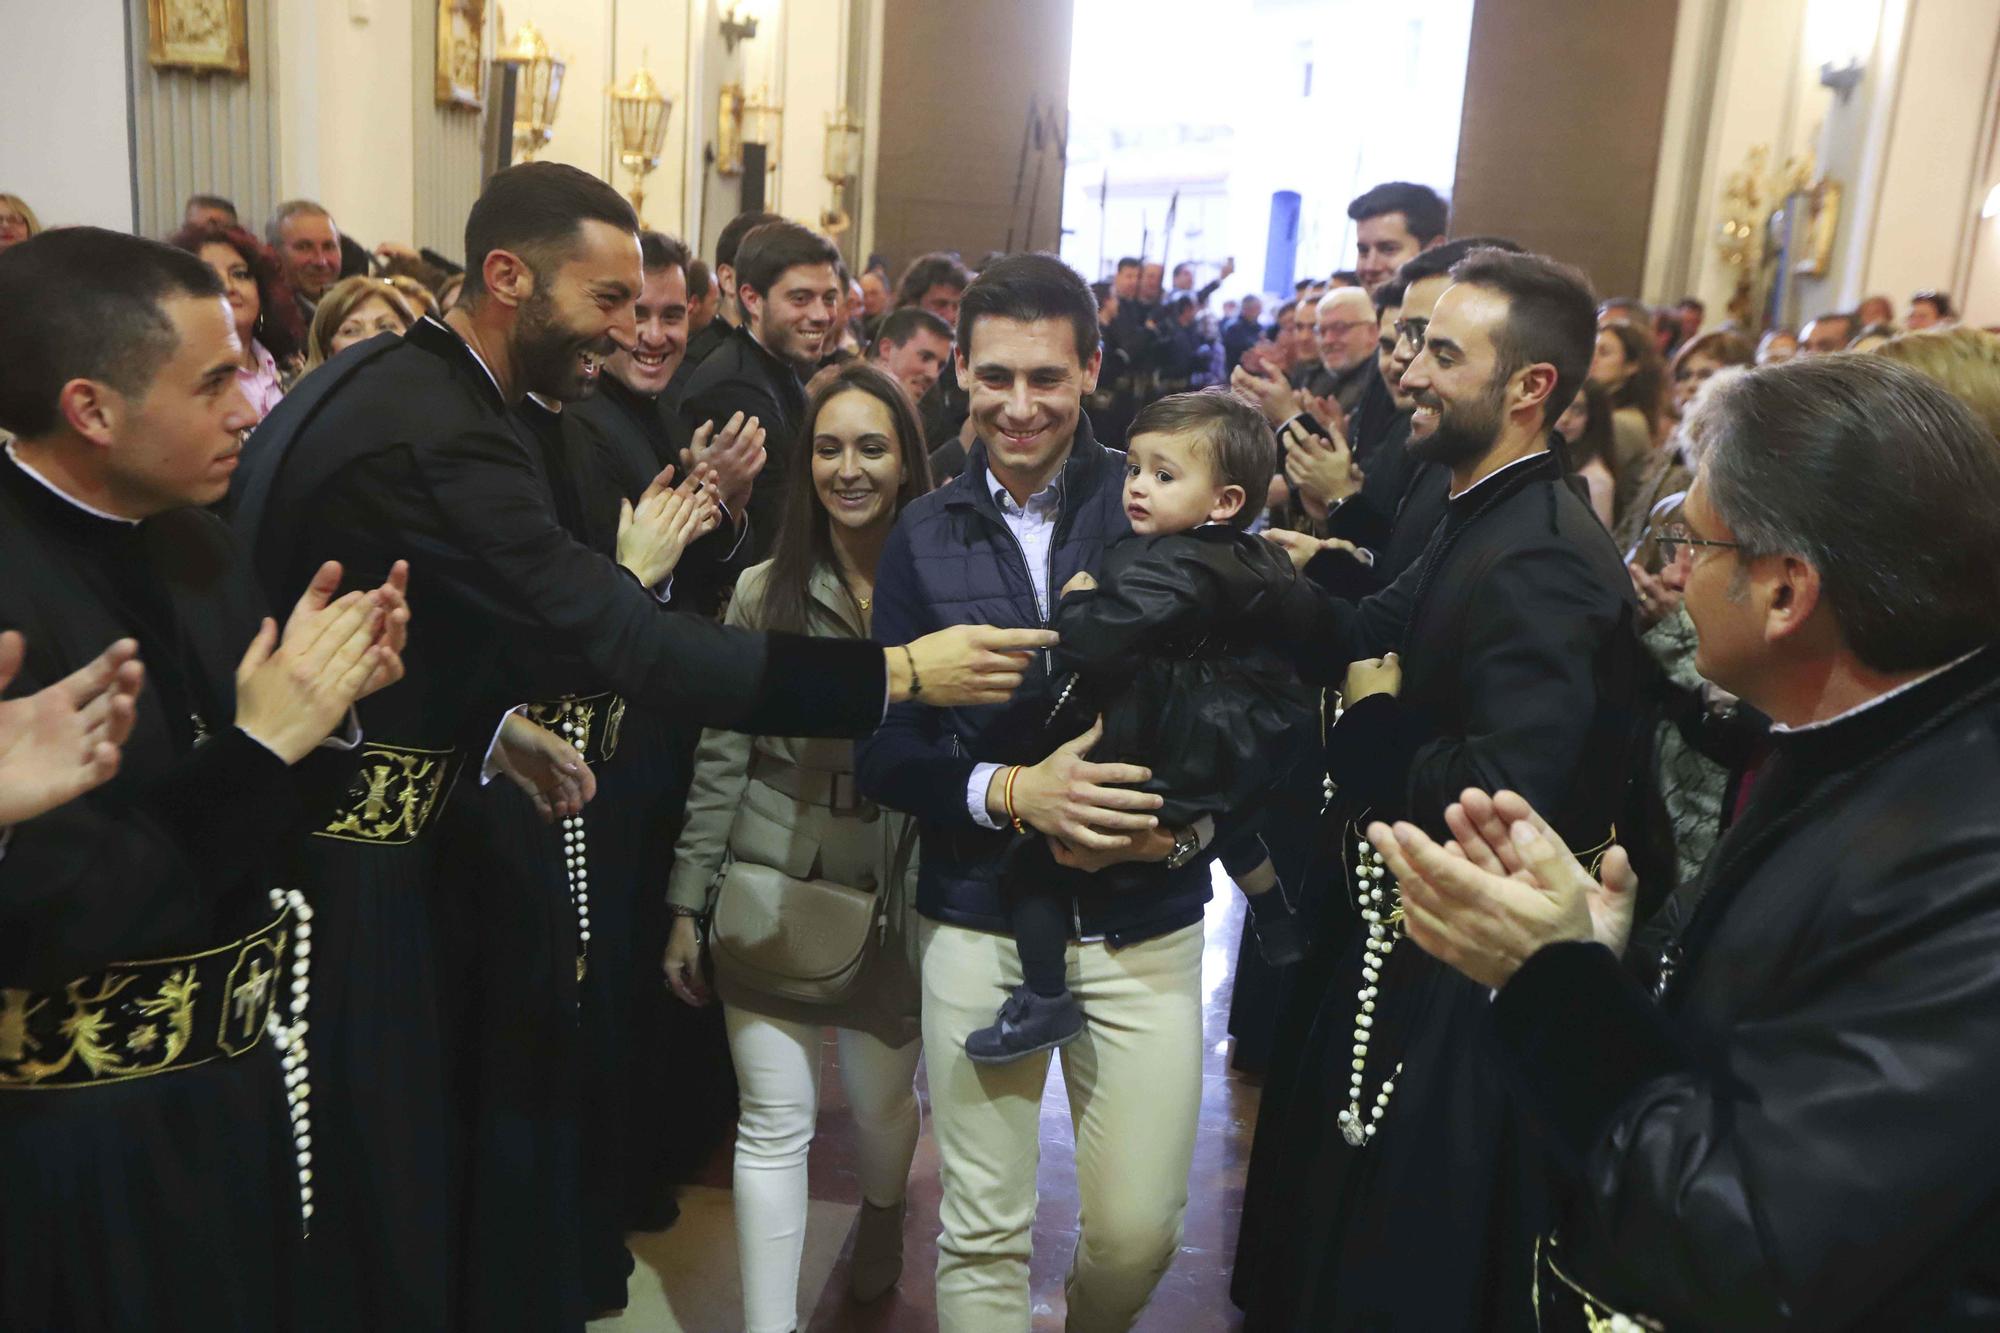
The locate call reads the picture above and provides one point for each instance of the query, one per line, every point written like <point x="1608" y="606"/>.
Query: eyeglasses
<point x="1676" y="535"/>
<point x="1412" y="331"/>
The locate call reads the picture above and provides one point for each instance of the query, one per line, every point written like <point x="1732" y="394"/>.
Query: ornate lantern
<point x="639" y="113"/>
<point x="537" y="89"/>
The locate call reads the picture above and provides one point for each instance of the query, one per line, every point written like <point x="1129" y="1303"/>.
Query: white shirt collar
<point x="1500" y="471"/>
<point x="1882" y="698"/>
<point x="1041" y="501"/>
<point x="475" y="355"/>
<point x="56" y="490"/>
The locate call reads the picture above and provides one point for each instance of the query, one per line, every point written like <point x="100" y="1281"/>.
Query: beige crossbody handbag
<point x="808" y="940"/>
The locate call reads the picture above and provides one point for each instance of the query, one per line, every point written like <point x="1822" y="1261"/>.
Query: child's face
<point x="1171" y="486"/>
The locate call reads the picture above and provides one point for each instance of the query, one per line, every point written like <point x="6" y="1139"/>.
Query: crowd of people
<point x="682" y="656"/>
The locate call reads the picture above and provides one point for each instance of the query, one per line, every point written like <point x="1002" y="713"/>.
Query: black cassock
<point x="131" y="1198"/>
<point x="404" y="448"/>
<point x="1798" y="1134"/>
<point x="1520" y="666"/>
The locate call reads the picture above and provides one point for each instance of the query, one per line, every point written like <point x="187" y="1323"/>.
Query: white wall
<point x="1911" y="147"/>
<point x="67" y="147"/>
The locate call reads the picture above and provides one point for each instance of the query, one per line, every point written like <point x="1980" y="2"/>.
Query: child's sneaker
<point x="1280" y="938"/>
<point x="1027" y="1023"/>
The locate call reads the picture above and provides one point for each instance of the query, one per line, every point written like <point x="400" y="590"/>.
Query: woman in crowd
<point x="17" y="220"/>
<point x="775" y="823"/>
<point x="1667" y="469"/>
<point x="1928" y="310"/>
<point x="355" y="310"/>
<point x="1965" y="361"/>
<point x="1626" y="365"/>
<point x="1585" y="426"/>
<point x="268" y="326"/>
<point x="1777" y="346"/>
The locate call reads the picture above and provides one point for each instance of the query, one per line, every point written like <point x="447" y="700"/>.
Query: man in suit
<point x="1509" y="649"/>
<point x="151" y="978"/>
<point x="788" y="281"/>
<point x="411" y="444"/>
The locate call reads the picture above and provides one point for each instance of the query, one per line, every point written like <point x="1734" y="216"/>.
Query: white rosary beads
<point x="576" y="865"/>
<point x="291" y="1042"/>
<point x="1356" y="1128"/>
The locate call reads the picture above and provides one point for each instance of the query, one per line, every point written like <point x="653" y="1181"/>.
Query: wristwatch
<point x="1187" y="846"/>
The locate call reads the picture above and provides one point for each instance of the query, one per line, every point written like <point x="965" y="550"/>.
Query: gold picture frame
<point x="206" y="36"/>
<point x="461" y="50"/>
<point x="1822" y="227"/>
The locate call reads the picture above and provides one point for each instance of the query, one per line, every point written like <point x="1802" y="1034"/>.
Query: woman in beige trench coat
<point x="789" y="804"/>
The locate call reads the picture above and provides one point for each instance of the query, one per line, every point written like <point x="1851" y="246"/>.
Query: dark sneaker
<point x="1280" y="938"/>
<point x="1027" y="1023"/>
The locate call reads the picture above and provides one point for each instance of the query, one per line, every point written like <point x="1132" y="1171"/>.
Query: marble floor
<point x="686" y="1277"/>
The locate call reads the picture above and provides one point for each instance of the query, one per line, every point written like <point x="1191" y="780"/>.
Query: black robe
<point x="1799" y="1133"/>
<point x="168" y="1201"/>
<point x="403" y="448"/>
<point x="741" y="376"/>
<point x="1520" y="669"/>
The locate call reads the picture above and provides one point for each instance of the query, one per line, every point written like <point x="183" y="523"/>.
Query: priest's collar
<point x="1870" y="727"/>
<point x="1504" y="469"/>
<point x="1779" y="728"/>
<point x="64" y="495"/>
<point x="429" y="328"/>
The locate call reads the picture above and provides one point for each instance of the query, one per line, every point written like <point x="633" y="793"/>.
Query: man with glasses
<point x="1773" y="1105"/>
<point x="1386" y="1188"/>
<point x="1344" y="330"/>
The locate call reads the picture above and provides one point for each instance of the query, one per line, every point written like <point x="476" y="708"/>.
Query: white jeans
<point x="777" y="1067"/>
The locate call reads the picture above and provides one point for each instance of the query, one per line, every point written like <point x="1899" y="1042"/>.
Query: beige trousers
<point x="1134" y="1083"/>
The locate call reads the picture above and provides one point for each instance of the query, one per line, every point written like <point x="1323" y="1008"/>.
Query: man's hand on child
<point x="1373" y="675"/>
<point x="1153" y="845"/>
<point x="1081" y="582"/>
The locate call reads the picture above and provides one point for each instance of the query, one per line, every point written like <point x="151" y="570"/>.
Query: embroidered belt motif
<point x="393" y="795"/>
<point x="590" y="722"/>
<point x="135" y="1020"/>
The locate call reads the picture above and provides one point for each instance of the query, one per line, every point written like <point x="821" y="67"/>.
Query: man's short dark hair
<point x="1299" y="287"/>
<point x="1344" y="277"/>
<point x="1234" y="437"/>
<point x="1441" y="259"/>
<point x="937" y="269"/>
<point x="1390" y="294"/>
<point x="537" y="210"/>
<point x="1858" y="465"/>
<point x="1937" y="300"/>
<point x="899" y="326"/>
<point x="215" y="201"/>
<point x="1424" y="210"/>
<point x="1184" y="267"/>
<point x="733" y="232"/>
<point x="1029" y="287"/>
<point x="1551" y="317"/>
<point x="1288" y="308"/>
<point x="776" y="246"/>
<point x="85" y="303"/>
<point x="699" y="280"/>
<point x="1129" y="261"/>
<point x="657" y="250"/>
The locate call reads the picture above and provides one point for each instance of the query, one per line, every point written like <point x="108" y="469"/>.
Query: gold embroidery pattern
<point x="138" y="1019"/>
<point x="584" y="713"/>
<point x="392" y="797"/>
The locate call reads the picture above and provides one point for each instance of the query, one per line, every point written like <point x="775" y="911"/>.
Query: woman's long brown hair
<point x="805" y="539"/>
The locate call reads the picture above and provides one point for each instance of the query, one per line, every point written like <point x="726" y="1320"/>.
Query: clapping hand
<point x="653" y="534"/>
<point x="736" y="454"/>
<point x="65" y="739"/>
<point x="292" y="689"/>
<point x="1276" y="399"/>
<point x="1372" y="675"/>
<point x="1322" y="469"/>
<point x="1504" y="887"/>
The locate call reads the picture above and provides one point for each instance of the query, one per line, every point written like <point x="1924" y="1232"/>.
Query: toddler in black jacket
<point x="1181" y="650"/>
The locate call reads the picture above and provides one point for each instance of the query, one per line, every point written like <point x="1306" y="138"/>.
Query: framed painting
<point x="461" y="42"/>
<point x="207" y="36"/>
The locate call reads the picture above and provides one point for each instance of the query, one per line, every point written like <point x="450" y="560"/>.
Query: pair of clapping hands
<point x="293" y="688"/>
<point x="716" y="473"/>
<point x="1503" y="887"/>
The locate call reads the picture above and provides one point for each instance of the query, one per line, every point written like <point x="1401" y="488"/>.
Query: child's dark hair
<point x="1234" y="438"/>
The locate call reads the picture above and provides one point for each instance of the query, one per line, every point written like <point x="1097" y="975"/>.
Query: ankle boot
<point x="878" y="1252"/>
